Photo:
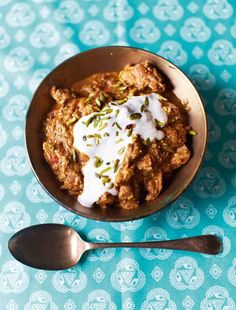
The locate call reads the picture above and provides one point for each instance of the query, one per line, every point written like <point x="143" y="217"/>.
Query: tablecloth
<point x="199" y="37"/>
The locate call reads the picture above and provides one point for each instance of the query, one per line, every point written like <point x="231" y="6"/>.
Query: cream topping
<point x="104" y="137"/>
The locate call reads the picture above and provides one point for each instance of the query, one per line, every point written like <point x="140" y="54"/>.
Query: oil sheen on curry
<point x="114" y="138"/>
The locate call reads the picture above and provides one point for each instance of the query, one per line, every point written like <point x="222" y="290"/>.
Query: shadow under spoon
<point x="57" y="246"/>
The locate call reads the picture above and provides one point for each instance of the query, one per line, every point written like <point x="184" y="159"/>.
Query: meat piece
<point x="153" y="184"/>
<point x="127" y="170"/>
<point x="180" y="157"/>
<point x="60" y="95"/>
<point x="128" y="196"/>
<point x="106" y="199"/>
<point x="125" y="174"/>
<point x="145" y="164"/>
<point x="174" y="136"/>
<point x="143" y="75"/>
<point x="68" y="171"/>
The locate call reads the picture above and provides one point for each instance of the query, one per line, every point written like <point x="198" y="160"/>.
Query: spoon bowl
<point x="57" y="246"/>
<point x="47" y="246"/>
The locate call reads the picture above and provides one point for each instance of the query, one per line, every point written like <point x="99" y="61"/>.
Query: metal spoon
<point x="56" y="246"/>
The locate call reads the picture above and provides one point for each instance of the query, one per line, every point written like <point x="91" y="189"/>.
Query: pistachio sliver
<point x="120" y="101"/>
<point x="135" y="116"/>
<point x="129" y="132"/>
<point x="102" y="97"/>
<point x="120" y="140"/>
<point x="98" y="175"/>
<point x="159" y="123"/>
<point x="98" y="162"/>
<point x="106" y="180"/>
<point x="121" y="150"/>
<point x="102" y="126"/>
<point x="116" y="165"/>
<point x="118" y="126"/>
<point x="146" y="102"/>
<point x="105" y="170"/>
<point x="117" y="112"/>
<point x="72" y="120"/>
<point x="98" y="102"/>
<point x="89" y="121"/>
<point x="111" y="186"/>
<point x="192" y="132"/>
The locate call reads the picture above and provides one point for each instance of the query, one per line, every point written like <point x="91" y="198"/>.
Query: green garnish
<point x="147" y="141"/>
<point x="89" y="144"/>
<point x="106" y="134"/>
<point x="111" y="186"/>
<point x="96" y="108"/>
<point x="129" y="132"/>
<point x="84" y="138"/>
<point x="107" y="110"/>
<point x="102" y="126"/>
<point x="117" y="133"/>
<point x="118" y="126"/>
<point x="121" y="150"/>
<point x="89" y="121"/>
<point x="97" y="135"/>
<point x="87" y="100"/>
<point x="120" y="101"/>
<point x="72" y="120"/>
<point x="98" y="162"/>
<point x="106" y="180"/>
<point x="98" y="102"/>
<point x="120" y="140"/>
<point x="146" y="102"/>
<point x="97" y="175"/>
<point x="97" y="141"/>
<point x="143" y="108"/>
<point x="192" y="132"/>
<point x="102" y="97"/>
<point x="95" y="123"/>
<point x="116" y="164"/>
<point x="117" y="112"/>
<point x="159" y="123"/>
<point x="105" y="170"/>
<point x="135" y="116"/>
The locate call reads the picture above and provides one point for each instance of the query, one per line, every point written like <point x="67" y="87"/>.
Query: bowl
<point x="106" y="59"/>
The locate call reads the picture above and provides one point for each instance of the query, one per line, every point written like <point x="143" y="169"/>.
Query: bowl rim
<point x="126" y="218"/>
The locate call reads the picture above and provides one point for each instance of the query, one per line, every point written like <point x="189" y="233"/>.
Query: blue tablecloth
<point x="199" y="37"/>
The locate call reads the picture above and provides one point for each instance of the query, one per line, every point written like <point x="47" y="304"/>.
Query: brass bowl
<point x="107" y="59"/>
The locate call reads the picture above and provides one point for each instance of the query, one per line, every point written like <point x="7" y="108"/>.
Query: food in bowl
<point x="116" y="137"/>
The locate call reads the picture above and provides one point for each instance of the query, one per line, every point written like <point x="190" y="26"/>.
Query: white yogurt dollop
<point x="104" y="137"/>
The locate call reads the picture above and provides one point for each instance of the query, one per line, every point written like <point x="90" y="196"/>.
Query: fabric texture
<point x="199" y="37"/>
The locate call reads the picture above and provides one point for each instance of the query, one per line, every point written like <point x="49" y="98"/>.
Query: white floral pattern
<point x="199" y="37"/>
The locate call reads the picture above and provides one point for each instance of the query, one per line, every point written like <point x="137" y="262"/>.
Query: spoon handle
<point x="208" y="244"/>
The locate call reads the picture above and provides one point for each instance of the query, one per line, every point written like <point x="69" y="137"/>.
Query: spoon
<point x="56" y="246"/>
